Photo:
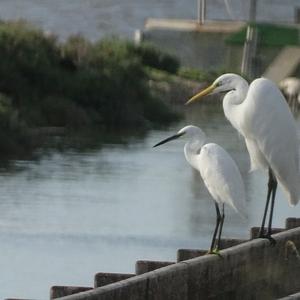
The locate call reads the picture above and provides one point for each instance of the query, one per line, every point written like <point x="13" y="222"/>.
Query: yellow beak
<point x="201" y="94"/>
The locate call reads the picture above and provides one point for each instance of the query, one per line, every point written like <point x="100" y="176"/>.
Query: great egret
<point x="219" y="172"/>
<point x="261" y="115"/>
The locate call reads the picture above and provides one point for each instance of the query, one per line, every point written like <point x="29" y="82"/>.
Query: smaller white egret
<point x="219" y="172"/>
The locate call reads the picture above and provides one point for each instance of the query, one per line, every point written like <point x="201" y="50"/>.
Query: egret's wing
<point x="257" y="158"/>
<point x="269" y="125"/>
<point x="222" y="177"/>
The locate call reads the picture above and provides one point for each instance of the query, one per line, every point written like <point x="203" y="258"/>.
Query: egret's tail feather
<point x="293" y="200"/>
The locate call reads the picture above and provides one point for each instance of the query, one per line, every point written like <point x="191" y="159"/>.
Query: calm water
<point x="96" y="18"/>
<point x="71" y="214"/>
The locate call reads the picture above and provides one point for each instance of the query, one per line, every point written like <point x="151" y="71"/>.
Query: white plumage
<point x="218" y="170"/>
<point x="268" y="124"/>
<point x="261" y="115"/>
<point x="222" y="177"/>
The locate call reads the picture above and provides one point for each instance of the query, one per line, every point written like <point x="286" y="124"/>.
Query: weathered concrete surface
<point x="144" y="266"/>
<point x="252" y="270"/>
<point x="61" y="291"/>
<point x="292" y="223"/>
<point x="185" y="254"/>
<point x="159" y="284"/>
<point x="206" y="51"/>
<point x="193" y="25"/>
<point x="102" y="279"/>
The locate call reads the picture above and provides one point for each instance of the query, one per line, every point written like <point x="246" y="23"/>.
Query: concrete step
<point x="144" y="266"/>
<point x="227" y="243"/>
<point x="102" y="279"/>
<point x="292" y="223"/>
<point x="185" y="254"/>
<point x="62" y="291"/>
<point x="254" y="231"/>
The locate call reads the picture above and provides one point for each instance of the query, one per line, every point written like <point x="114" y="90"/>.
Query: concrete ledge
<point x="134" y="288"/>
<point x="102" y="279"/>
<point x="184" y="254"/>
<point x="193" y="25"/>
<point x="252" y="270"/>
<point x="61" y="291"/>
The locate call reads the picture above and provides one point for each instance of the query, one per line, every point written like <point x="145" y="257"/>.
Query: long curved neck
<point x="232" y="103"/>
<point x="192" y="149"/>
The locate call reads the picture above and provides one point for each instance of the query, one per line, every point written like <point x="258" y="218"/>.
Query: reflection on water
<point x="72" y="213"/>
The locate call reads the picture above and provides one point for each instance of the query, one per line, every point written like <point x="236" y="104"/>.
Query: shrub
<point x="153" y="57"/>
<point x="78" y="83"/>
<point x="199" y="75"/>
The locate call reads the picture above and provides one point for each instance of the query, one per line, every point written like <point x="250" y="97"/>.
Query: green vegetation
<point x="199" y="75"/>
<point x="270" y="35"/>
<point x="75" y="84"/>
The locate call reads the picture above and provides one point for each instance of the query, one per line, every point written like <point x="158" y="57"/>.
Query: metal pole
<point x="249" y="52"/>
<point x="201" y="11"/>
<point x="199" y="2"/>
<point x="246" y="62"/>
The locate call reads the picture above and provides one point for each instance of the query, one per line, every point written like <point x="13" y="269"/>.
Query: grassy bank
<point x="270" y="35"/>
<point x="75" y="84"/>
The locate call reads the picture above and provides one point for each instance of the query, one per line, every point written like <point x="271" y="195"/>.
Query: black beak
<point x="173" y="137"/>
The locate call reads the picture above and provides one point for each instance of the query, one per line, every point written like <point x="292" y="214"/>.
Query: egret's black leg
<point x="218" y="220"/>
<point x="272" y="186"/>
<point x="269" y="231"/>
<point x="221" y="227"/>
<point x="261" y="232"/>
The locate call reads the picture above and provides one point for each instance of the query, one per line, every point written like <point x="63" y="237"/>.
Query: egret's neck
<point x="192" y="149"/>
<point x="232" y="103"/>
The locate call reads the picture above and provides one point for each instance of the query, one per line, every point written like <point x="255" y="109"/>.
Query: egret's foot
<point x="215" y="251"/>
<point x="268" y="237"/>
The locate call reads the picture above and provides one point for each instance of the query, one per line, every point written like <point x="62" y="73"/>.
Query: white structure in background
<point x="290" y="86"/>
